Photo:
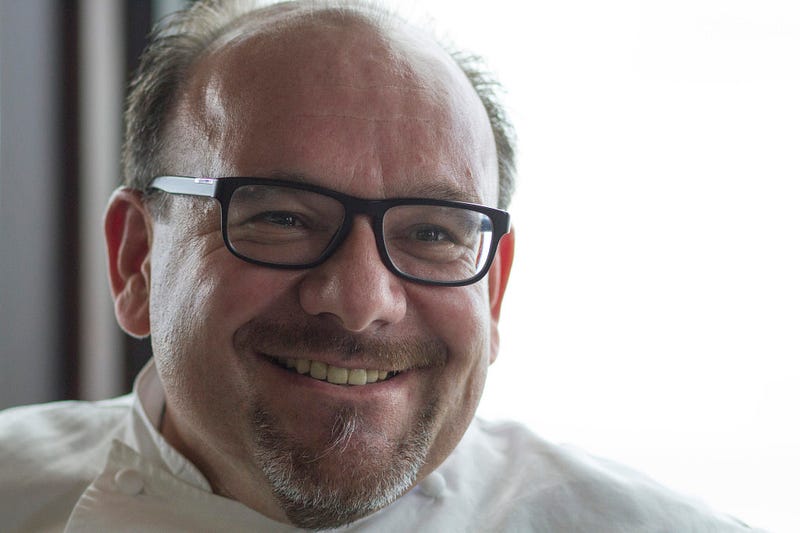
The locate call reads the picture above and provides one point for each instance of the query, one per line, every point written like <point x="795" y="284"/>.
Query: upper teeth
<point x="335" y="374"/>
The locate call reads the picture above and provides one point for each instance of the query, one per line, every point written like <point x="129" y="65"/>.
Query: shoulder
<point x="49" y="453"/>
<point x="63" y="426"/>
<point x="533" y="484"/>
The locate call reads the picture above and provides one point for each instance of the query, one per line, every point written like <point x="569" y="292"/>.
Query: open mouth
<point x="333" y="374"/>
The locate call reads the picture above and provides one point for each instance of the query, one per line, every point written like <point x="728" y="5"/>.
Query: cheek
<point x="190" y="305"/>
<point x="200" y="295"/>
<point x="457" y="315"/>
<point x="468" y="328"/>
<point x="200" y="292"/>
<point x="179" y="320"/>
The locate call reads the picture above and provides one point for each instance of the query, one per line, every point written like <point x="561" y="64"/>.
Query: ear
<point x="498" y="280"/>
<point x="128" y="228"/>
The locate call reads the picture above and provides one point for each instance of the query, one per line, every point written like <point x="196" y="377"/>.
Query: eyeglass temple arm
<point x="185" y="185"/>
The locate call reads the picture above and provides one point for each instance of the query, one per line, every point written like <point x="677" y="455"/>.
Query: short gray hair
<point x="181" y="39"/>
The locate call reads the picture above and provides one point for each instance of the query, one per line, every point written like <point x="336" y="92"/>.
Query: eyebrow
<point x="437" y="189"/>
<point x="444" y="190"/>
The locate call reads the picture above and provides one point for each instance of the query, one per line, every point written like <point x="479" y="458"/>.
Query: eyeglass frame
<point x="222" y="190"/>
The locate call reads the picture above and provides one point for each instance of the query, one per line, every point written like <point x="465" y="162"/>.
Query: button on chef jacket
<point x="103" y="466"/>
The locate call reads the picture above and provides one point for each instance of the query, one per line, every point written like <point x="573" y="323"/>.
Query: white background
<point x="654" y="308"/>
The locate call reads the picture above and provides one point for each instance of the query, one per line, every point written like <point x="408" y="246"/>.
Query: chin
<point x="354" y="472"/>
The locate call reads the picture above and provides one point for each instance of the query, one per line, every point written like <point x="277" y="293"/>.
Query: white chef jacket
<point x="103" y="466"/>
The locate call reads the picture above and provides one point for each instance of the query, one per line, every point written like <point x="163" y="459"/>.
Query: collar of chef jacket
<point x="134" y="494"/>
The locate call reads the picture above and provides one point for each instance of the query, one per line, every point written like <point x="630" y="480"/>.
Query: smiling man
<point x="315" y="358"/>
<point x="311" y="232"/>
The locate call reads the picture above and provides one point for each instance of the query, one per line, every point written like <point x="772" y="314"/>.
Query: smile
<point x="334" y="374"/>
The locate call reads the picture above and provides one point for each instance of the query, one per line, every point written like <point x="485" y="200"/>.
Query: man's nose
<point x="354" y="285"/>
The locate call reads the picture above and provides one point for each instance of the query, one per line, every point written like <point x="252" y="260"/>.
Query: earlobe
<point x="128" y="230"/>
<point x="498" y="280"/>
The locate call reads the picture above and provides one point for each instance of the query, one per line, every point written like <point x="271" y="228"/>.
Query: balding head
<point x="276" y="82"/>
<point x="208" y="26"/>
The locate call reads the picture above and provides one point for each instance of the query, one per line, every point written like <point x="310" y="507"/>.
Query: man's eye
<point x="277" y="218"/>
<point x="430" y="234"/>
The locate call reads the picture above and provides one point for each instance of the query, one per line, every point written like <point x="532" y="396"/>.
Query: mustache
<point x="304" y="339"/>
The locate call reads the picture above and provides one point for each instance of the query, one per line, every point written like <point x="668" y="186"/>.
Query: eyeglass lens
<point x="294" y="227"/>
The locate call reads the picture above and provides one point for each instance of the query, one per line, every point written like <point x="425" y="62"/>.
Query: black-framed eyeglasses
<point x="292" y="225"/>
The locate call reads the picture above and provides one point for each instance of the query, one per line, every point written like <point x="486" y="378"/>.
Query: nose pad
<point x="354" y="285"/>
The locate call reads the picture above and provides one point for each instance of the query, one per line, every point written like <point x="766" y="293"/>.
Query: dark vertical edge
<point x="137" y="26"/>
<point x="68" y="183"/>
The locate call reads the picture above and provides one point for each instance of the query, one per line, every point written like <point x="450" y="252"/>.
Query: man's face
<point x="349" y="110"/>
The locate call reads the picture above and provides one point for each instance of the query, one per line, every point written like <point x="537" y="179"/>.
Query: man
<point x="311" y="233"/>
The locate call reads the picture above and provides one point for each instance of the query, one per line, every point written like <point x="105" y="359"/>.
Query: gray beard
<point x="345" y="480"/>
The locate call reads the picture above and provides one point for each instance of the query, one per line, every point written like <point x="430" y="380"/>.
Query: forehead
<point x="368" y="110"/>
